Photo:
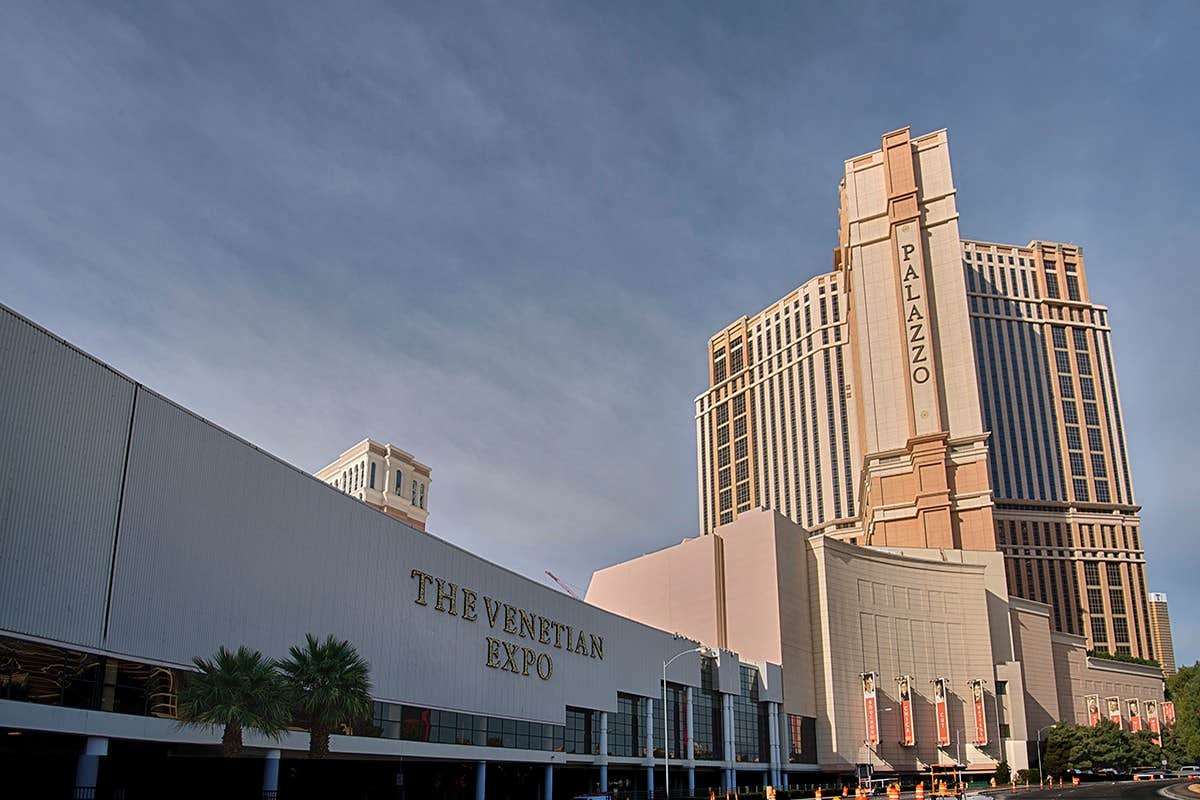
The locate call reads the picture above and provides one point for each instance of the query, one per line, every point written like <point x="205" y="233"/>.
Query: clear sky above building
<point x="500" y="235"/>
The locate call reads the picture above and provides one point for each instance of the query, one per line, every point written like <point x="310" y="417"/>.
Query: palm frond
<point x="330" y="683"/>
<point x="241" y="689"/>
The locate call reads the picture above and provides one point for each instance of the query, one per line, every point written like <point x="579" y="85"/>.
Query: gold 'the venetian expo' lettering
<point x="499" y="654"/>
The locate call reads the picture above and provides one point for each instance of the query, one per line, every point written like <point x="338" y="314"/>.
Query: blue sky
<point x="500" y="234"/>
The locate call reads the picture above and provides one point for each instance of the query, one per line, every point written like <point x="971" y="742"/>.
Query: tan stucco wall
<point x="675" y="589"/>
<point x="1031" y="636"/>
<point x="1078" y="676"/>
<point x="896" y="615"/>
<point x="770" y="620"/>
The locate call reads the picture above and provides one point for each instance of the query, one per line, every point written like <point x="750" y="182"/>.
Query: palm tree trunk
<point x="231" y="740"/>
<point x="318" y="740"/>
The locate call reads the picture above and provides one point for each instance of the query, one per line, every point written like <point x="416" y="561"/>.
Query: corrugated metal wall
<point x="220" y="543"/>
<point x="64" y="425"/>
<point x="223" y="544"/>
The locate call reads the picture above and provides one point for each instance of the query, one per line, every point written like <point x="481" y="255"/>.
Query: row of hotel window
<point x="1118" y="611"/>
<point x="39" y="673"/>
<point x="782" y="338"/>
<point x="1087" y="393"/>
<point x="1052" y="288"/>
<point x="362" y="475"/>
<point x="771" y="395"/>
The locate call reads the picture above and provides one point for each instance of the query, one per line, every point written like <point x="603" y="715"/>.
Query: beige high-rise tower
<point x="924" y="480"/>
<point x="1160" y="633"/>
<point x="935" y="392"/>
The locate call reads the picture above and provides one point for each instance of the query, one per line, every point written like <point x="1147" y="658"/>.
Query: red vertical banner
<point x="870" y="707"/>
<point x="981" y="733"/>
<point x="941" y="711"/>
<point x="1151" y="707"/>
<point x="1135" y="717"/>
<point x="908" y="734"/>
<point x="1093" y="709"/>
<point x="1168" y="712"/>
<point x="1114" y="710"/>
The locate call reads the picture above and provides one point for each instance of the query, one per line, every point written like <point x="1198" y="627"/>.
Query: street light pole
<point x="666" y="730"/>
<point x="1039" y="748"/>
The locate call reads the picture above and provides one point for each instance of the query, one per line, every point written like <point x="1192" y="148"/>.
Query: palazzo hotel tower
<point x="932" y="391"/>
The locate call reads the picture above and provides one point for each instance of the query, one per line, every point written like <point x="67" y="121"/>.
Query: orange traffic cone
<point x="920" y="790"/>
<point x="817" y="794"/>
<point x="845" y="790"/>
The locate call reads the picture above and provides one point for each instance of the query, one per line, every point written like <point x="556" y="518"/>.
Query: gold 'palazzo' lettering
<point x="914" y="317"/>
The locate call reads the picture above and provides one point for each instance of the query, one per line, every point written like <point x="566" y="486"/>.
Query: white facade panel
<point x="223" y="544"/>
<point x="64" y="424"/>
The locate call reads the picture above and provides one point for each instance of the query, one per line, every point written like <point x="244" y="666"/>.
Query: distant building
<point x="385" y="477"/>
<point x="1160" y="633"/>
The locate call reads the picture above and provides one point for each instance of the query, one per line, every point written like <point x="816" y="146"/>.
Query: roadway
<point x="1126" y="790"/>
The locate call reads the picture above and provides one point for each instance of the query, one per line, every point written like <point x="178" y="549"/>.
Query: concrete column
<point x="87" y="769"/>
<point x="689" y="726"/>
<point x="548" y="794"/>
<point x="727" y="724"/>
<point x="271" y="775"/>
<point x="783" y="778"/>
<point x="773" y="736"/>
<point x="481" y="781"/>
<point x="648" y="704"/>
<point x="603" y="751"/>
<point x="650" y="781"/>
<point x="691" y="780"/>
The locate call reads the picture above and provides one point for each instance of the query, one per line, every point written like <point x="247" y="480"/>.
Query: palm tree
<point x="330" y="685"/>
<point x="242" y="690"/>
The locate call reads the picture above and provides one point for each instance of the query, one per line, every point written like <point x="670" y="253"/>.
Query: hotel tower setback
<point x="934" y="391"/>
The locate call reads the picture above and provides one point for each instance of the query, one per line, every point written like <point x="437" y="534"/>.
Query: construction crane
<point x="564" y="586"/>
